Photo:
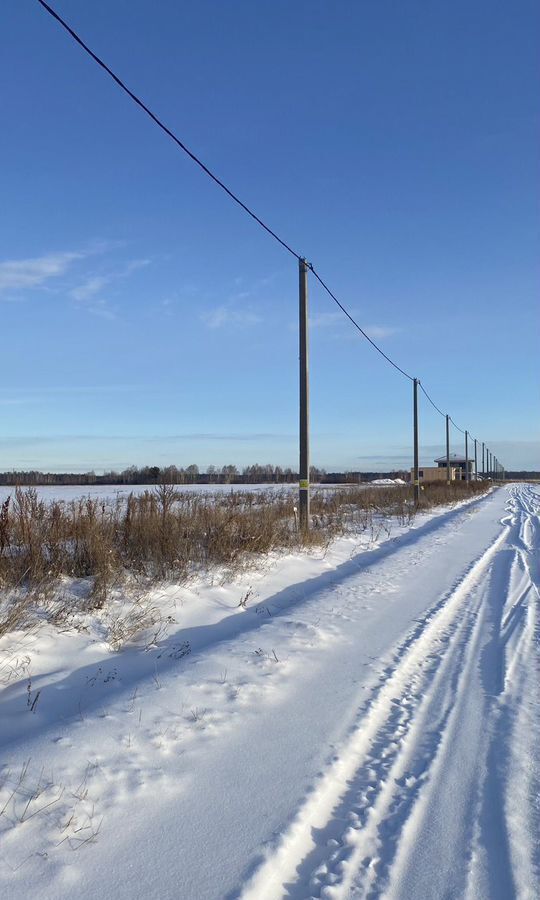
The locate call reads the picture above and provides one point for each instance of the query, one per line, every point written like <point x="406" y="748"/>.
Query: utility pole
<point x="483" y="465"/>
<point x="467" y="479"/>
<point x="475" y="461"/>
<point x="304" y="397"/>
<point x="415" y="421"/>
<point x="447" y="449"/>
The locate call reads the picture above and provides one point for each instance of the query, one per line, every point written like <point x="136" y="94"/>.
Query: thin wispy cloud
<point x="325" y="320"/>
<point x="18" y="274"/>
<point x="89" y="288"/>
<point x="337" y="324"/>
<point x="101" y="309"/>
<point x="92" y="286"/>
<point x="71" y="389"/>
<point x="225" y="316"/>
<point x="380" y="331"/>
<point x="52" y="272"/>
<point x="35" y="439"/>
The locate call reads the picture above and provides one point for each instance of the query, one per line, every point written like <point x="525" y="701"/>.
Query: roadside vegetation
<point x="169" y="535"/>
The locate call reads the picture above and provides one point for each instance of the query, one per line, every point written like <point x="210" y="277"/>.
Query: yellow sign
<point x="304" y="485"/>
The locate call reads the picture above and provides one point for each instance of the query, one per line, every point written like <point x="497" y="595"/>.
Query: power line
<point x="163" y="127"/>
<point x="205" y="169"/>
<point x="361" y="330"/>
<point x="229" y="192"/>
<point x="434" y="405"/>
<point x="456" y="426"/>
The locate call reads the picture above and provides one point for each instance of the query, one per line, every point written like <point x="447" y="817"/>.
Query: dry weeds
<point x="169" y="534"/>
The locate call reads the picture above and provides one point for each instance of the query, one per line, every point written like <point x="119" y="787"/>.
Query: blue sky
<point x="146" y="319"/>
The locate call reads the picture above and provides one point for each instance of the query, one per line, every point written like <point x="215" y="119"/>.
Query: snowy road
<point x="371" y="731"/>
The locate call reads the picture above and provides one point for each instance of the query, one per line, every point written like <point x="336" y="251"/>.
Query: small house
<point x="458" y="469"/>
<point x="457" y="462"/>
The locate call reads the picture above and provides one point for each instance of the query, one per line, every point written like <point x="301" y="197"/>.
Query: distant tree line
<point x="230" y="474"/>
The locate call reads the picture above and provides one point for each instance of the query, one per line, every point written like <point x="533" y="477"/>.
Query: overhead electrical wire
<point x="356" y="325"/>
<point x="434" y="405"/>
<point x="121" y="84"/>
<point x="205" y="169"/>
<point x="164" y="127"/>
<point x="456" y="426"/>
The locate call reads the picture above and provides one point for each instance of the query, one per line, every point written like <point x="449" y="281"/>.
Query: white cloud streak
<point x="89" y="288"/>
<point x="18" y="274"/>
<point x="380" y="331"/>
<point x="329" y="320"/>
<point x="94" y="284"/>
<point x="224" y="316"/>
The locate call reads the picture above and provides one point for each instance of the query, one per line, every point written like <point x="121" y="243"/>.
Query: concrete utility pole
<point x="475" y="461"/>
<point x="448" y="449"/>
<point x="304" y="397"/>
<point x="467" y="479"/>
<point x="415" y="425"/>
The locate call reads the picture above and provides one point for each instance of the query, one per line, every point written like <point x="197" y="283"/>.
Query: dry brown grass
<point x="169" y="534"/>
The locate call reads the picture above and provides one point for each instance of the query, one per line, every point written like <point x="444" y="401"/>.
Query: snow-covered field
<point x="113" y="491"/>
<point x="363" y="723"/>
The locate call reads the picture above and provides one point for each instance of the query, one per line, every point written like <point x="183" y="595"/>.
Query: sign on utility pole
<point x="304" y="397"/>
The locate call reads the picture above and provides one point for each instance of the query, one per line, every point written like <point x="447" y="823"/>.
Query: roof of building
<point x="454" y="457"/>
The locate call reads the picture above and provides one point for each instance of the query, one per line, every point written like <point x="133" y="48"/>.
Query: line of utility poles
<point x="490" y="465"/>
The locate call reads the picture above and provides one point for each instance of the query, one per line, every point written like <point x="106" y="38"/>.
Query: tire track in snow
<point x="384" y="820"/>
<point x="505" y="860"/>
<point x="363" y="778"/>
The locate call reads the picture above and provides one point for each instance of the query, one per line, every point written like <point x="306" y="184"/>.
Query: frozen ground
<point x="364" y="724"/>
<point x="112" y="491"/>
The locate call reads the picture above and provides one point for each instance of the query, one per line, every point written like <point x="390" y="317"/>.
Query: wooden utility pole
<point x="483" y="464"/>
<point x="448" y="449"/>
<point x="415" y="427"/>
<point x="475" y="461"/>
<point x="467" y="479"/>
<point x="304" y="397"/>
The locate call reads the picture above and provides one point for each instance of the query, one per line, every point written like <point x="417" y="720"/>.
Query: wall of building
<point x="434" y="473"/>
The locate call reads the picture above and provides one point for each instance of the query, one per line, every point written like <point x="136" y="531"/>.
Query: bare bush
<point x="166" y="534"/>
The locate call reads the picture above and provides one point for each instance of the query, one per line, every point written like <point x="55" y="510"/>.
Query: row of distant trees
<point x="230" y="474"/>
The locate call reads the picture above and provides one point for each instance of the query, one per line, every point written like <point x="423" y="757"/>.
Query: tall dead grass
<point x="170" y="534"/>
